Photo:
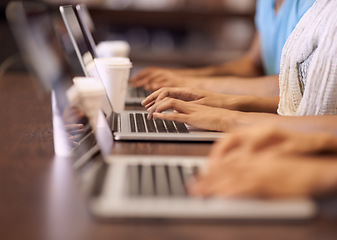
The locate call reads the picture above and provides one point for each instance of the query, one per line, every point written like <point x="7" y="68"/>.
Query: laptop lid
<point x="87" y="25"/>
<point x="84" y="54"/>
<point x="134" y="95"/>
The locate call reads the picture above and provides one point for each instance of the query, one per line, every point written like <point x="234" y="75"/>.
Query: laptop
<point x="135" y="187"/>
<point x="134" y="96"/>
<point x="131" y="125"/>
<point x="39" y="47"/>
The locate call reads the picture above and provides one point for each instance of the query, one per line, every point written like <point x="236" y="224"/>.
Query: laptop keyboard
<point x="159" y="180"/>
<point x="140" y="123"/>
<point x="139" y="92"/>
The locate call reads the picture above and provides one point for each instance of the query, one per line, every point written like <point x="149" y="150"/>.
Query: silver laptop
<point x="134" y="187"/>
<point x="154" y="187"/>
<point x="134" y="95"/>
<point x="130" y="125"/>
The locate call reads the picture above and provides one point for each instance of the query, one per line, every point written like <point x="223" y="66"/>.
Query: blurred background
<point x="187" y="33"/>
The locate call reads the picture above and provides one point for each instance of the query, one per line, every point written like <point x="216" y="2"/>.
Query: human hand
<point x="196" y="115"/>
<point x="155" y="78"/>
<point x="73" y="115"/>
<point x="266" y="163"/>
<point x="268" y="175"/>
<point x="74" y="121"/>
<point x="75" y="132"/>
<point x="276" y="140"/>
<point x="194" y="95"/>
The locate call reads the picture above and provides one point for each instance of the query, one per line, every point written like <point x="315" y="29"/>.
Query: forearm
<point x="242" y="67"/>
<point x="248" y="65"/>
<point x="326" y="123"/>
<point x="256" y="104"/>
<point x="260" y="86"/>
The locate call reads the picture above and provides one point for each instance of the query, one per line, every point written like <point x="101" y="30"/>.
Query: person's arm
<point x="322" y="123"/>
<point x="268" y="176"/>
<point x="205" y="117"/>
<point x="218" y="119"/>
<point x="247" y="67"/>
<point x="265" y="162"/>
<point x="257" y="86"/>
<point x="245" y="103"/>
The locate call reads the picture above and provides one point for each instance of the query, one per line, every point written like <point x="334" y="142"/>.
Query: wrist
<point x="230" y="120"/>
<point x="238" y="103"/>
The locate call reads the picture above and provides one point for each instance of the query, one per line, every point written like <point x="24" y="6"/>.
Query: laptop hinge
<point x="114" y="121"/>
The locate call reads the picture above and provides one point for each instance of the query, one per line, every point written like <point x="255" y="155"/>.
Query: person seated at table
<point x="308" y="85"/>
<point x="274" y="20"/>
<point x="267" y="162"/>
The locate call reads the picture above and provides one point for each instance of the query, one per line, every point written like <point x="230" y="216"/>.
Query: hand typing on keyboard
<point x="196" y="115"/>
<point x="270" y="163"/>
<point x="211" y="111"/>
<point x="154" y="78"/>
<point x="198" y="108"/>
<point x="194" y="95"/>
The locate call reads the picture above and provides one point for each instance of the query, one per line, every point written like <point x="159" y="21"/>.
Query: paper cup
<point x="90" y="93"/>
<point x="113" y="49"/>
<point x="115" y="73"/>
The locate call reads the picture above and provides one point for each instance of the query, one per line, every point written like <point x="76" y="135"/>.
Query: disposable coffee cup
<point x="113" y="49"/>
<point x="114" y="73"/>
<point x="89" y="96"/>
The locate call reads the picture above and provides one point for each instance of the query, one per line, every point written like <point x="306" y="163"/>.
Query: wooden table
<point x="40" y="199"/>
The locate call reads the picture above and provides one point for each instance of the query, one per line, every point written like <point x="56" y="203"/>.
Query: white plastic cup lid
<point x="114" y="45"/>
<point x="90" y="86"/>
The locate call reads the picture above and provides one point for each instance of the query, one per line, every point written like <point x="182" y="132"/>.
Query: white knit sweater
<point x="310" y="56"/>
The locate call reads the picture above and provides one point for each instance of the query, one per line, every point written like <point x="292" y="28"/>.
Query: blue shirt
<point x="275" y="28"/>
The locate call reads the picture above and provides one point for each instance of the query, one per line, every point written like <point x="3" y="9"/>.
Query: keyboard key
<point x="147" y="188"/>
<point x="133" y="181"/>
<point x="176" y="182"/>
<point x="147" y="93"/>
<point x="162" y="188"/>
<point x="167" y="174"/>
<point x="132" y="123"/>
<point x="139" y="175"/>
<point x="140" y="122"/>
<point x="150" y="124"/>
<point x="141" y="92"/>
<point x="187" y="174"/>
<point x="181" y="127"/>
<point x="170" y="126"/>
<point x="160" y="126"/>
